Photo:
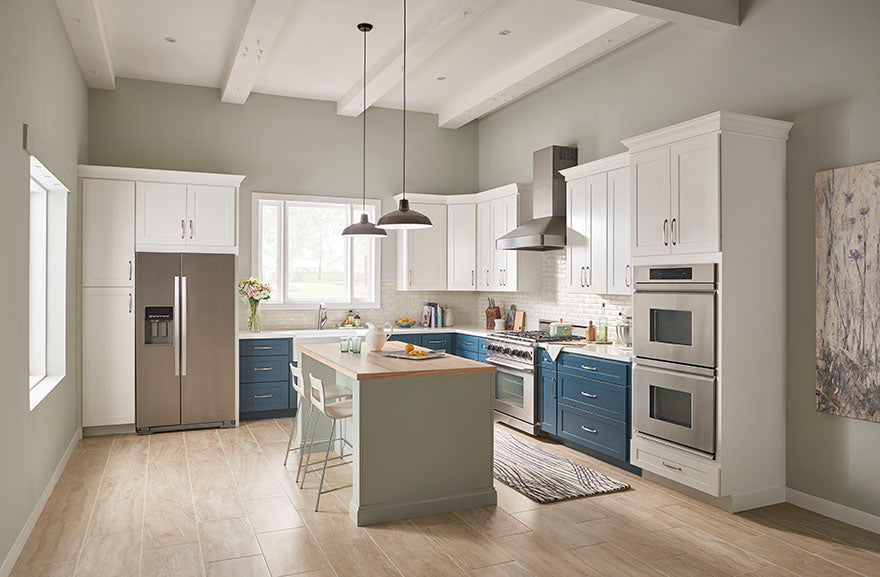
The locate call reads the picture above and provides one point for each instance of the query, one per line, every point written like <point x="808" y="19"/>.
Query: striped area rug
<point x="543" y="476"/>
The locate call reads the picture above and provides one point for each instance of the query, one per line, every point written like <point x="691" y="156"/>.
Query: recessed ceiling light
<point x="170" y="39"/>
<point x="441" y="78"/>
<point x="504" y="32"/>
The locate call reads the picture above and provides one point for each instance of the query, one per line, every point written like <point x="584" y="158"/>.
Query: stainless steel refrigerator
<point x="185" y="357"/>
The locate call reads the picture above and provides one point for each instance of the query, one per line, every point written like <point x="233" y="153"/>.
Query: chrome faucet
<point x="322" y="316"/>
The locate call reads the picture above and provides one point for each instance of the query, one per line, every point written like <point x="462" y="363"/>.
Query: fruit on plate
<point x="409" y="348"/>
<point x="417" y="353"/>
<point x="405" y="320"/>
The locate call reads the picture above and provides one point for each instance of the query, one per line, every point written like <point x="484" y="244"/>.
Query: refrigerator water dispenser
<point x="159" y="326"/>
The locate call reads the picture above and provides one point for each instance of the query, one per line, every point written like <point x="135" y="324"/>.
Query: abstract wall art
<point x="848" y="291"/>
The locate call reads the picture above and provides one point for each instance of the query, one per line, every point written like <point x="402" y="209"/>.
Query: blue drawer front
<point x="593" y="431"/>
<point x="547" y="411"/>
<point x="484" y="344"/>
<point x="468" y="354"/>
<point x="264" y="347"/>
<point x="594" y="396"/>
<point x="264" y="396"/>
<point x="263" y="369"/>
<point x="593" y="367"/>
<point x="439" y="341"/>
<point x="545" y="361"/>
<point x="412" y="339"/>
<point x="468" y="343"/>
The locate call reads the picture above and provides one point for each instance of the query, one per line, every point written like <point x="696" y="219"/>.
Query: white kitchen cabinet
<point x="619" y="267"/>
<point x="461" y="270"/>
<point x="108" y="232"/>
<point x="649" y="178"/>
<point x="694" y="226"/>
<point x="210" y="215"/>
<point x="108" y="339"/>
<point x="161" y="214"/>
<point x="422" y="252"/>
<point x="485" y="246"/>
<point x="509" y="270"/>
<point x="586" y="244"/>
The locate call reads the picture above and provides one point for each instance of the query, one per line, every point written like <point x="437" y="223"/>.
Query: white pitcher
<point x="378" y="336"/>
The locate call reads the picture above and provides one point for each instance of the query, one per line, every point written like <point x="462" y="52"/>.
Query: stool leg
<point x="326" y="458"/>
<point x="304" y="441"/>
<point x="305" y="470"/>
<point x="290" y="439"/>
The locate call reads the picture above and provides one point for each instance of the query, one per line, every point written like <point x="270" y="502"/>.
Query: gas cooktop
<point x="533" y="337"/>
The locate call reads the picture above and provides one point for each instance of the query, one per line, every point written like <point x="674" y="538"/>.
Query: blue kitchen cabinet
<point x="547" y="408"/>
<point x="471" y="347"/>
<point x="439" y="342"/>
<point x="264" y="379"/>
<point x="408" y="338"/>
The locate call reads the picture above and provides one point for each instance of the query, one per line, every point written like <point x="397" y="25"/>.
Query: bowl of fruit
<point x="405" y="323"/>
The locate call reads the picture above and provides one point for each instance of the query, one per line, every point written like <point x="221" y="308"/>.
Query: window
<point x="298" y="248"/>
<point x="47" y="279"/>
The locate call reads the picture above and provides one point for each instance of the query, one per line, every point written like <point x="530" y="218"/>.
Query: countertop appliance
<point x="514" y="355"/>
<point x="674" y="371"/>
<point x="186" y="333"/>
<point x="546" y="230"/>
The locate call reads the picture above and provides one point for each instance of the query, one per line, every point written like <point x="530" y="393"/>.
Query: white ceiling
<point x="315" y="50"/>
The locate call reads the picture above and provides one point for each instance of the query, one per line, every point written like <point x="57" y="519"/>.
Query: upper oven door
<point x="673" y="323"/>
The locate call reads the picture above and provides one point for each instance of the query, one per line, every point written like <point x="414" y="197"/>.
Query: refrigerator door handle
<point x="177" y="326"/>
<point x="183" y="299"/>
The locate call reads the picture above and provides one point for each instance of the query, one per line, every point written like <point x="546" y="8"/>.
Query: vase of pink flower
<point x="253" y="292"/>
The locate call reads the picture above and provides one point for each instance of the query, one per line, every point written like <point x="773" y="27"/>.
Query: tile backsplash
<point x="552" y="302"/>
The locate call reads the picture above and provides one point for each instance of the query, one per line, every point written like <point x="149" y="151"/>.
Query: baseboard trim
<point x="755" y="499"/>
<point x="25" y="532"/>
<point x="409" y="508"/>
<point x="861" y="519"/>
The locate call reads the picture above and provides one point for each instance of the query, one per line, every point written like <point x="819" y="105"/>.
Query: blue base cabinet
<point x="471" y="347"/>
<point x="264" y="379"/>
<point x="584" y="402"/>
<point x="467" y="346"/>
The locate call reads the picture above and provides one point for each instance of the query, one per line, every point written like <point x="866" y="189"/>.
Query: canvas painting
<point x="848" y="291"/>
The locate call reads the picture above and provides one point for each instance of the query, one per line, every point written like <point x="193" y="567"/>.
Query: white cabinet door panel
<point x="511" y="257"/>
<point x="462" y="247"/>
<point x="597" y="242"/>
<point x="696" y="182"/>
<point x="108" y="232"/>
<point x="425" y="250"/>
<point x="161" y="213"/>
<point x="577" y="223"/>
<point x="485" y="246"/>
<point x="499" y="228"/>
<point x="619" y="265"/>
<point x="210" y="215"/>
<point x="108" y="356"/>
<point x="649" y="173"/>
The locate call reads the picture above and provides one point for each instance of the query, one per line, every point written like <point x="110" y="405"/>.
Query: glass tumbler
<point x="356" y="345"/>
<point x="343" y="344"/>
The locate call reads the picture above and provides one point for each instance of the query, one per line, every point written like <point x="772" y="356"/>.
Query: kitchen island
<point x="422" y="430"/>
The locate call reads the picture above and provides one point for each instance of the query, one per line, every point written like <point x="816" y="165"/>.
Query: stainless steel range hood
<point x="546" y="230"/>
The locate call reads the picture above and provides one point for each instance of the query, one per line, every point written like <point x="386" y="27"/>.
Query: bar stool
<point x="297" y="382"/>
<point x="334" y="412"/>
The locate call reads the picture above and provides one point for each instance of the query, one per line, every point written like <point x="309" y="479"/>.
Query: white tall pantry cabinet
<point x="125" y="211"/>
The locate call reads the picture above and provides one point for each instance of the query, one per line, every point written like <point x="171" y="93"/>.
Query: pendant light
<point x="404" y="218"/>
<point x="364" y="228"/>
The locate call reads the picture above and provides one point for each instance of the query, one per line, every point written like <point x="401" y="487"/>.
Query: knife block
<point x="492" y="313"/>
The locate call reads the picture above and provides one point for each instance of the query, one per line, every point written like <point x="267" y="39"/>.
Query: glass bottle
<point x="602" y="333"/>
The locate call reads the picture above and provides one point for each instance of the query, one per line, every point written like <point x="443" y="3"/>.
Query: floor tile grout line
<point x="94" y="506"/>
<point x="144" y="504"/>
<point x="192" y="498"/>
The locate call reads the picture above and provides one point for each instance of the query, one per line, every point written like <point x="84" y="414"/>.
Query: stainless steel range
<point x="515" y="356"/>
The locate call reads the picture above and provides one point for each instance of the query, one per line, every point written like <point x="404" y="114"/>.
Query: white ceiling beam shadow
<point x="718" y="15"/>
<point x="576" y="49"/>
<point x="85" y="28"/>
<point x="444" y="20"/>
<point x="258" y="35"/>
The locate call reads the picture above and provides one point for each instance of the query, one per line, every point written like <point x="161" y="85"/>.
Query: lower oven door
<point x="675" y="405"/>
<point x="514" y="391"/>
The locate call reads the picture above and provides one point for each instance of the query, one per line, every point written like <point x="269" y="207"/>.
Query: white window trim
<point x="256" y="235"/>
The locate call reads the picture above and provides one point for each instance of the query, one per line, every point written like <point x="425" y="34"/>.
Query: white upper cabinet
<point x="422" y="252"/>
<point x="649" y="174"/>
<point x="577" y="248"/>
<point x="161" y="214"/>
<point x="695" y="223"/>
<point x="461" y="270"/>
<point x="485" y="246"/>
<point x="619" y="242"/>
<point x="188" y="217"/>
<point x="108" y="232"/>
<point x="210" y="215"/>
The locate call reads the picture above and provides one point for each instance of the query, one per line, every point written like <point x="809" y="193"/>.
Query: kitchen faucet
<point x="322" y="316"/>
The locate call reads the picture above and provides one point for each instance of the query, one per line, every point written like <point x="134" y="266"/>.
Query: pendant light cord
<point x="364" y="196"/>
<point x="404" y="99"/>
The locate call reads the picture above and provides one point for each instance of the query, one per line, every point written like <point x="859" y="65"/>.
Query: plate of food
<point x="412" y="353"/>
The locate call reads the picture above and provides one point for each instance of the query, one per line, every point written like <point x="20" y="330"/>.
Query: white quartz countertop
<point x="610" y="352"/>
<point x="334" y="332"/>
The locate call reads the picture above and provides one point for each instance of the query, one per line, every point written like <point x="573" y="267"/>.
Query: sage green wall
<point x="41" y="86"/>
<point x="812" y="62"/>
<point x="285" y="145"/>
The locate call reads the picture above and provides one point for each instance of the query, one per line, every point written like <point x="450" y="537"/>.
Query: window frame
<point x="354" y="206"/>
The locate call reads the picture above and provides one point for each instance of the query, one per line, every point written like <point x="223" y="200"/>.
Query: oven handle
<point x="679" y="368"/>
<point x="509" y="366"/>
<point x="643" y="287"/>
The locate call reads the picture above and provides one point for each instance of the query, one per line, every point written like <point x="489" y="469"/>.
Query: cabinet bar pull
<point x="590" y="281"/>
<point x="129" y="303"/>
<point x="590" y="395"/>
<point x="262" y="396"/>
<point x="586" y="368"/>
<point x="668" y="466"/>
<point x="672" y="232"/>
<point x="182" y="229"/>
<point x="589" y="430"/>
<point x="626" y="276"/>
<point x="129" y="270"/>
<point x="410" y="277"/>
<point x="473" y="275"/>
<point x="263" y="348"/>
<point x="190" y="229"/>
<point x="436" y="342"/>
<point x="583" y="277"/>
<point x="666" y="232"/>
<point x="262" y="368"/>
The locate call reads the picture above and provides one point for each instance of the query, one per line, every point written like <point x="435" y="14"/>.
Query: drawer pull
<point x="590" y="395"/>
<point x="262" y="396"/>
<point x="436" y="342"/>
<point x="262" y="368"/>
<point x="587" y="429"/>
<point x="586" y="368"/>
<point x="263" y="348"/>
<point x="668" y="466"/>
<point x="468" y="344"/>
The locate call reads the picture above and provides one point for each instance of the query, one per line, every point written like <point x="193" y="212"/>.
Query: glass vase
<point x="254" y="318"/>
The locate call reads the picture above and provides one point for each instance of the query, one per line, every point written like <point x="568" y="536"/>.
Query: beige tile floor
<point x="220" y="504"/>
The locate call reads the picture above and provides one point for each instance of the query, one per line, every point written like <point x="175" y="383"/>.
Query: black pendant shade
<point x="364" y="228"/>
<point x="403" y="218"/>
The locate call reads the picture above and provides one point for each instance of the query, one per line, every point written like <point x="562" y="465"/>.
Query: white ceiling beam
<point x="718" y="15"/>
<point x="85" y="28"/>
<point x="444" y="20"/>
<point x="257" y="37"/>
<point x="577" y="48"/>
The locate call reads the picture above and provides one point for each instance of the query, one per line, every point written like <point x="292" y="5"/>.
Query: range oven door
<point x="515" y="391"/>
<point x="675" y="405"/>
<point x="675" y="323"/>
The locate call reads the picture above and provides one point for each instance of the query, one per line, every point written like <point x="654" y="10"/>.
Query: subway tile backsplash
<point x="552" y="302"/>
